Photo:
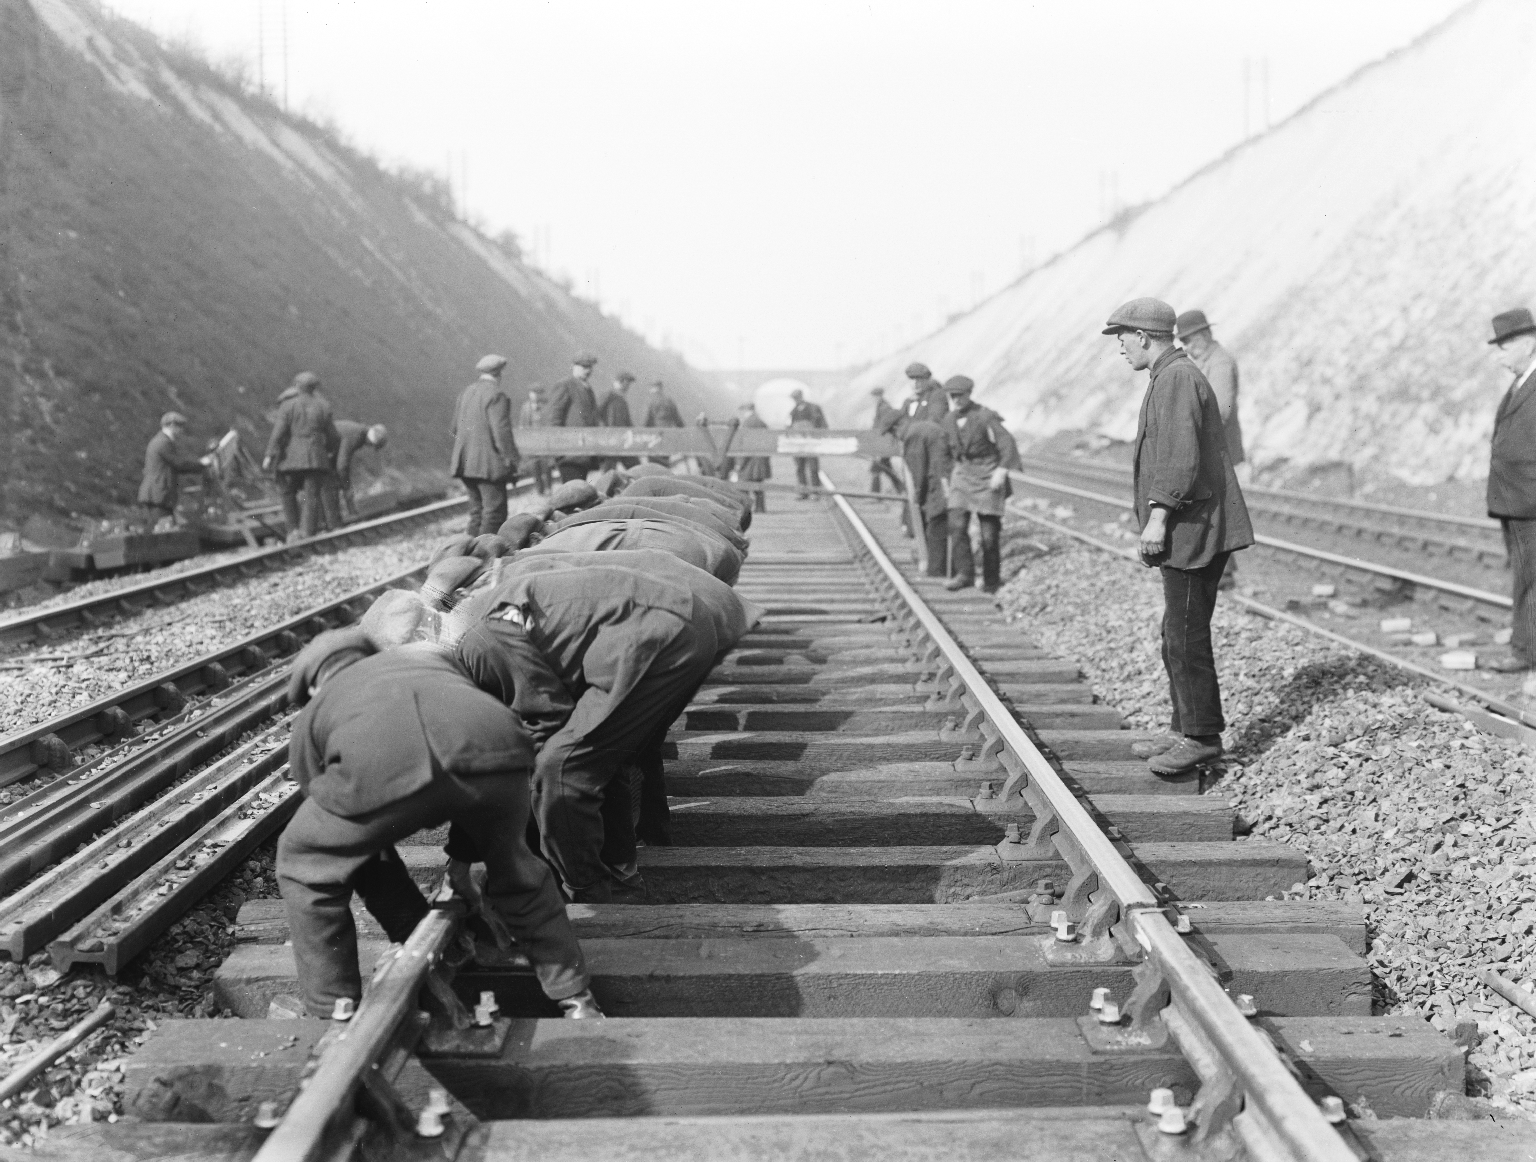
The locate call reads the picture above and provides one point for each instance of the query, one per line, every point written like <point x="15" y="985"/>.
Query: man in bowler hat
<point x="1512" y="478"/>
<point x="1192" y="517"/>
<point x="303" y="451"/>
<point x="484" y="450"/>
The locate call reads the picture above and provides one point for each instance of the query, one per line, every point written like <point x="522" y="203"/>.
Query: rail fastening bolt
<point x="1333" y="1110"/>
<point x="266" y="1116"/>
<point x="1160" y="1101"/>
<point x="429" y="1123"/>
<point x="343" y="1009"/>
<point x="1172" y="1121"/>
<point x="1246" y="1005"/>
<point x="1100" y="995"/>
<point x="1066" y="931"/>
<point x="1182" y="925"/>
<point x="1109" y="1013"/>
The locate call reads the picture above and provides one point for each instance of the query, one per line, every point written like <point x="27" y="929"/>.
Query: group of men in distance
<point x="522" y="696"/>
<point x="310" y="450"/>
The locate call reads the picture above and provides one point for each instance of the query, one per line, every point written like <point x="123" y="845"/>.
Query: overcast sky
<point x="797" y="183"/>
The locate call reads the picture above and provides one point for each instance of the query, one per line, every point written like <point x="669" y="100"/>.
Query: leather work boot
<point x="1155" y="746"/>
<point x="1185" y="755"/>
<point x="956" y="583"/>
<point x="583" y="1006"/>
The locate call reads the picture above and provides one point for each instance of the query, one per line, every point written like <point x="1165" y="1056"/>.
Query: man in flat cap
<point x="880" y="466"/>
<point x="388" y="744"/>
<point x="927" y="401"/>
<point x="805" y="416"/>
<point x="352" y="438"/>
<point x="1512" y="478"/>
<point x="484" y="450"/>
<point x="164" y="463"/>
<point x="535" y="414"/>
<point x="752" y="470"/>
<point x="983" y="452"/>
<point x="661" y="412"/>
<point x="303" y="451"/>
<point x="573" y="404"/>
<point x="613" y="412"/>
<point x="1193" y="518"/>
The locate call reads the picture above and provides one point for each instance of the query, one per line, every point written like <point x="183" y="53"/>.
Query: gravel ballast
<point x="1405" y="808"/>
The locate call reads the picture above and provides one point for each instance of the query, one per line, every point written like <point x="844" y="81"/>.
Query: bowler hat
<point x="1152" y="315"/>
<point x="448" y="576"/>
<point x="625" y="377"/>
<point x="314" y="657"/>
<point x="918" y="371"/>
<point x="1512" y="323"/>
<point x="958" y="384"/>
<point x="173" y="418"/>
<point x="518" y="528"/>
<point x="1191" y="323"/>
<point x="573" y="495"/>
<point x="305" y="380"/>
<point x="584" y="360"/>
<point x="491" y="364"/>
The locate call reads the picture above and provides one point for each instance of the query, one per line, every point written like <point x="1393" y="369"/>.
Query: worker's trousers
<point x="302" y="498"/>
<point x="487" y="505"/>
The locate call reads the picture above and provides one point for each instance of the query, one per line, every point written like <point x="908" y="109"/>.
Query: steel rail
<point x="1482" y="596"/>
<point x="1292" y="1123"/>
<point x="42" y="623"/>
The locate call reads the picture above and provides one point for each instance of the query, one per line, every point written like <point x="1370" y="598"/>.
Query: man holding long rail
<point x="1193" y="518"/>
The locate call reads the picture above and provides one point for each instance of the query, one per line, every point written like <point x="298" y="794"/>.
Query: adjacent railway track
<point x="924" y="903"/>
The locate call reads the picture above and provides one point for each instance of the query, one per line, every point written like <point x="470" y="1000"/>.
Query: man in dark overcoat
<point x="573" y="404"/>
<point x="927" y="401"/>
<point x="925" y="452"/>
<point x="1192" y="517"/>
<point x="164" y="463"/>
<point x="982" y="451"/>
<point x="752" y="470"/>
<point x="303" y="451"/>
<point x="805" y="416"/>
<point x="613" y="412"/>
<point x="484" y="449"/>
<point x="352" y="437"/>
<point x="388" y="744"/>
<point x="1512" y="478"/>
<point x="598" y="653"/>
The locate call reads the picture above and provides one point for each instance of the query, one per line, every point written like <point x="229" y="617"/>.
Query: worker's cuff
<point x="1172" y="500"/>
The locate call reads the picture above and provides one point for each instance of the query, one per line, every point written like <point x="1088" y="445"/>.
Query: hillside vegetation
<point x="1351" y="258"/>
<point x="168" y="240"/>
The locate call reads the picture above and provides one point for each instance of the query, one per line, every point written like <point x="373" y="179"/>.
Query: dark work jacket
<point x="613" y="412"/>
<point x="1512" y="468"/>
<point x="483" y="445"/>
<point x="662" y="413"/>
<point x="719" y="521"/>
<point x="571" y="404"/>
<point x="885" y="416"/>
<point x="304" y="434"/>
<point x="1181" y="462"/>
<point x="983" y="440"/>
<point x="352" y="437"/>
<point x="692" y="543"/>
<point x="925" y="450"/>
<point x="557" y="629"/>
<point x="384" y="727"/>
<point x="721" y="492"/>
<point x="751" y="469"/>
<point x="162" y="461"/>
<point x="927" y="402"/>
<point x="807" y="415"/>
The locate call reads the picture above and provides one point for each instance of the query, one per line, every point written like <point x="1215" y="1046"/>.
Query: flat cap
<point x="573" y="495"/>
<point x="918" y="371"/>
<point x="448" y="576"/>
<point x="379" y="435"/>
<point x="584" y="360"/>
<point x="305" y="380"/>
<point x="491" y="364"/>
<point x="453" y="547"/>
<point x="540" y="508"/>
<point x="625" y="377"/>
<point x="958" y="384"/>
<point x="648" y="469"/>
<point x="1191" y="323"/>
<point x="1511" y="323"/>
<point x="392" y="619"/>
<point x="607" y="483"/>
<point x="319" y="653"/>
<point x="518" y="529"/>
<point x="173" y="418"/>
<point x="1141" y="315"/>
<point x="488" y="546"/>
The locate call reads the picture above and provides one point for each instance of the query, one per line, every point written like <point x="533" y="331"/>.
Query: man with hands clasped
<point x="1193" y="518"/>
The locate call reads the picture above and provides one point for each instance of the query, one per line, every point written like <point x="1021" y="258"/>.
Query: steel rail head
<point x="1293" y="1125"/>
<point x="325" y="1107"/>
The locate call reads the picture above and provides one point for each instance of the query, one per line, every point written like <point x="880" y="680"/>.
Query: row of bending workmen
<point x="522" y="696"/>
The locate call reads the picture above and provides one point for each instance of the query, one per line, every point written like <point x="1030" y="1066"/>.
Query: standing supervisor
<point x="572" y="404"/>
<point x="661" y="412"/>
<point x="806" y="417"/>
<point x="163" y="465"/>
<point x="533" y="415"/>
<point x="752" y="470"/>
<point x="1192" y="517"/>
<point x="1220" y="370"/>
<point x="927" y="400"/>
<point x="1512" y="478"/>
<point x="352" y="438"/>
<point x="925" y="452"/>
<point x="484" y="450"/>
<point x="303" y="449"/>
<point x="880" y="466"/>
<point x="389" y="744"/>
<point x="613" y="412"/>
<point x="983" y="451"/>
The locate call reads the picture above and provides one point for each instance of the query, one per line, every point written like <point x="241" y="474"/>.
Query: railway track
<point x="923" y="903"/>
